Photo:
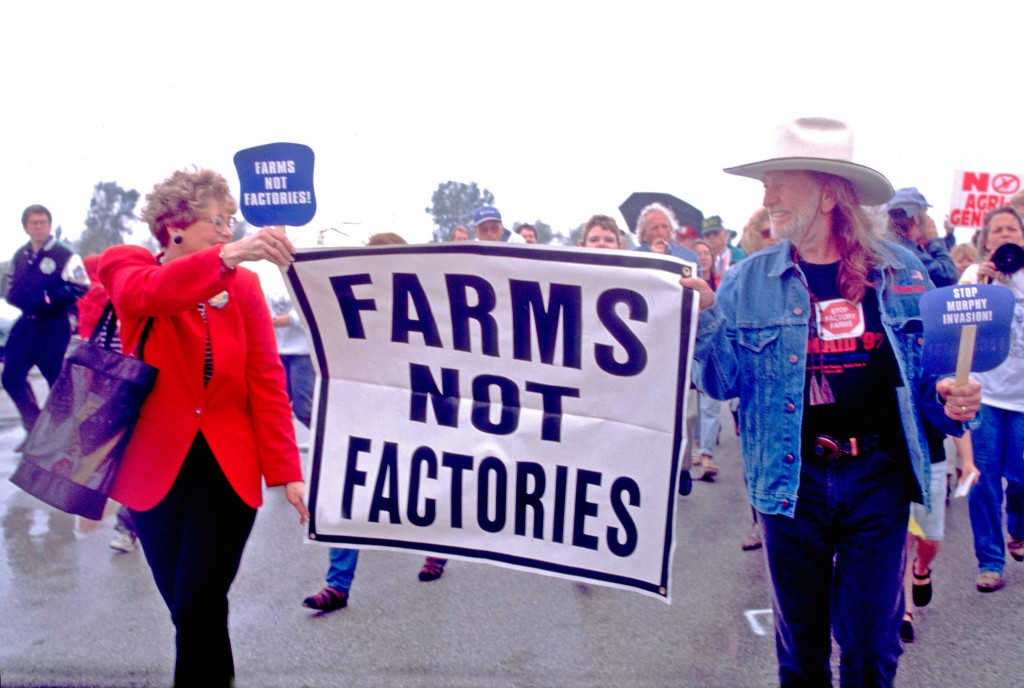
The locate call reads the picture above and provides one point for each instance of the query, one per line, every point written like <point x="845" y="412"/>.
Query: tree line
<point x="112" y="212"/>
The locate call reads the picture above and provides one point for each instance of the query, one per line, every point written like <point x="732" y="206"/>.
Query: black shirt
<point x="852" y="372"/>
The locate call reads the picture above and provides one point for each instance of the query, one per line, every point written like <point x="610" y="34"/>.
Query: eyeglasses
<point x="220" y="223"/>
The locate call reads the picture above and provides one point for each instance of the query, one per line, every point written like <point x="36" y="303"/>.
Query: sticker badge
<point x="47" y="266"/>
<point x="219" y="300"/>
<point x="839" y="319"/>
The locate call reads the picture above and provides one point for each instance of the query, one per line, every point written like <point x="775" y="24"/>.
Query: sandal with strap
<point x="327" y="600"/>
<point x="921" y="593"/>
<point x="433" y="568"/>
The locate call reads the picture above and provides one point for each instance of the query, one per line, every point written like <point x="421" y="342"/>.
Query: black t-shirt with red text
<point x="852" y="372"/>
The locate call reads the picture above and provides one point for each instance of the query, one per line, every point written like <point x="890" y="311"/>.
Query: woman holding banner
<point x="999" y="438"/>
<point x="217" y="423"/>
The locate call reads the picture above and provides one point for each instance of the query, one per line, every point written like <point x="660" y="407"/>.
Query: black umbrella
<point x="686" y="214"/>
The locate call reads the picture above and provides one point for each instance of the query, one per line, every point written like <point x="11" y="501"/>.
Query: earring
<point x="178" y="239"/>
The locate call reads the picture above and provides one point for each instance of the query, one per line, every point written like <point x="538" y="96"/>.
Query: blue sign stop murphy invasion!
<point x="947" y="311"/>
<point x="277" y="184"/>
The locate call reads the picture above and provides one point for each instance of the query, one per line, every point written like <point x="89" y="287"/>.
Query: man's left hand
<point x="961" y="400"/>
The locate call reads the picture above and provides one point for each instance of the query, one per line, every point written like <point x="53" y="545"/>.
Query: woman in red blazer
<point x="218" y="420"/>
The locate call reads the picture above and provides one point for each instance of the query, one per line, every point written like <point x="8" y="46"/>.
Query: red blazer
<point x="243" y="413"/>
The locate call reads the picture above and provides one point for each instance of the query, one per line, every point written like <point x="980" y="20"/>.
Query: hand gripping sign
<point x="277" y="184"/>
<point x="966" y="328"/>
<point x="521" y="406"/>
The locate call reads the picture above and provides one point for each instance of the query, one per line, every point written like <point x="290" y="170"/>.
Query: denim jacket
<point x="752" y="343"/>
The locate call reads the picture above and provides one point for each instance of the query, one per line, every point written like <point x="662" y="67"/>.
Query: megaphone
<point x="1008" y="258"/>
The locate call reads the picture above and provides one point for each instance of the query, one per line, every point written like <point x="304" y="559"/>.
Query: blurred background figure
<point x="45" y="281"/>
<point x="998" y="439"/>
<point x="601" y="231"/>
<point x="528" y="232"/>
<point x="720" y="240"/>
<point x="710" y="410"/>
<point x="488" y="226"/>
<point x="460" y="233"/>
<point x="90" y="308"/>
<point x="914" y="228"/>
<point x="686" y="235"/>
<point x="656" y="226"/>
<point x="963" y="255"/>
<point x="757" y="233"/>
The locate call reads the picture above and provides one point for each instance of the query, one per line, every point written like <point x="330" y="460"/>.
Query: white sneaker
<point x="123" y="542"/>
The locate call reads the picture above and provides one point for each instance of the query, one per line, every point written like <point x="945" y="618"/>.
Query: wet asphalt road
<point x="74" y="612"/>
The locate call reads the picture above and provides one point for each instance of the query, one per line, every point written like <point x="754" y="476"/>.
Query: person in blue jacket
<point x="915" y="230"/>
<point x="820" y="337"/>
<point x="45" y="281"/>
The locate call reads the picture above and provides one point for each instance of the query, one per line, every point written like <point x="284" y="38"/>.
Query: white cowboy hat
<point x="819" y="144"/>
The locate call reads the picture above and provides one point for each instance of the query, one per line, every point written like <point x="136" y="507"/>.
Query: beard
<point x="798" y="223"/>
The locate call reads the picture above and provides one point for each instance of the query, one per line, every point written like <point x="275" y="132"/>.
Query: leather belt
<point x="828" y="448"/>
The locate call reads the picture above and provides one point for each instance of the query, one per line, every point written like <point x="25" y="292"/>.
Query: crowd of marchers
<point x="809" y="332"/>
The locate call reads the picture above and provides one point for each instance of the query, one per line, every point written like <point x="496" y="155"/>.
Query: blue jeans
<point x="836" y="567"/>
<point x="343" y="567"/>
<point x="710" y="423"/>
<point x="999" y="453"/>
<point x="299" y="374"/>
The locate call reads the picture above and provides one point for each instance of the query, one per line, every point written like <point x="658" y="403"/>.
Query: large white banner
<point x="522" y="406"/>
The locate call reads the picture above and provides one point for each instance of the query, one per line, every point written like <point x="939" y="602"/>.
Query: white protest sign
<point x="517" y="405"/>
<point x="976" y="193"/>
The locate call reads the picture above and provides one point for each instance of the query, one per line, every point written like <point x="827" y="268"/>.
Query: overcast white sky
<point x="561" y="109"/>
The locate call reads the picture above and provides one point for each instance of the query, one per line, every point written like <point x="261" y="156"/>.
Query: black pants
<point x="193" y="540"/>
<point x="33" y="341"/>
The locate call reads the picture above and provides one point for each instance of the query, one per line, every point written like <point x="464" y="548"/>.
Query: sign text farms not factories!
<point x="436" y="395"/>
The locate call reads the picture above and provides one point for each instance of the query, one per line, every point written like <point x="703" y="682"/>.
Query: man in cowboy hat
<point x="820" y="337"/>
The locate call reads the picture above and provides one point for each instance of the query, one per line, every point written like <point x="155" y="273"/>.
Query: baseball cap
<point x="485" y="213"/>
<point x="712" y="224"/>
<point x="909" y="200"/>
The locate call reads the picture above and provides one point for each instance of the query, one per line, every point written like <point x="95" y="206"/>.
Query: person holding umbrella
<point x="656" y="225"/>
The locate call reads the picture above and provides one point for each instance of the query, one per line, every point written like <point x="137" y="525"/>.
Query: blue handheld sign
<point x="277" y="184"/>
<point x="948" y="311"/>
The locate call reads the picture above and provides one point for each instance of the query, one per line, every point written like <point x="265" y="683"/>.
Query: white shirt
<point x="1003" y="386"/>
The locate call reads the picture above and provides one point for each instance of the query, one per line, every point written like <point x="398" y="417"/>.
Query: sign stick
<point x="966" y="353"/>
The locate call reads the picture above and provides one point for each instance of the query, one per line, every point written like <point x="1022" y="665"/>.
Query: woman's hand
<point x="270" y="243"/>
<point x="987" y="272"/>
<point x="707" y="296"/>
<point x="960" y="401"/>
<point x="295" y="492"/>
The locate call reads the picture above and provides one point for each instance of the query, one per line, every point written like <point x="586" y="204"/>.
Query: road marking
<point x="760" y="620"/>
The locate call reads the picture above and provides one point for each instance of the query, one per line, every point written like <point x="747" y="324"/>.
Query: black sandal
<point x="921" y="593"/>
